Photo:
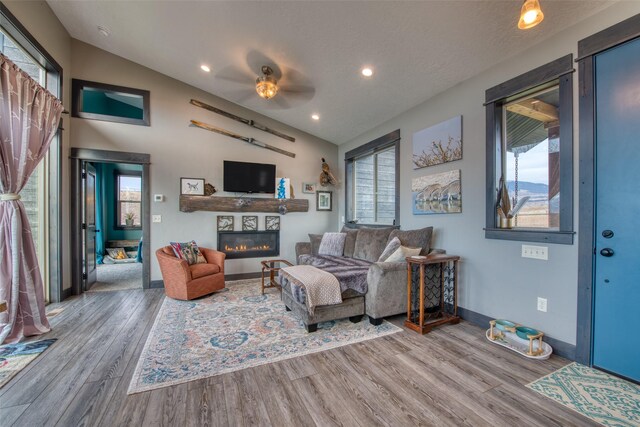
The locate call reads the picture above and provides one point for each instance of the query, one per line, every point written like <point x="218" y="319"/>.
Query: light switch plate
<point x="158" y="197"/>
<point x="535" y="252"/>
<point x="156" y="218"/>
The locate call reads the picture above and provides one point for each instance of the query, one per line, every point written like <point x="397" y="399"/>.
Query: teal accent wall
<point x="97" y="102"/>
<point x="109" y="206"/>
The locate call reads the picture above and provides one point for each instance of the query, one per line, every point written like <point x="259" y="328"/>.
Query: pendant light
<point x="530" y="15"/>
<point x="266" y="85"/>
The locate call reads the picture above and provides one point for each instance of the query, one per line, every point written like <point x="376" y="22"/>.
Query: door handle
<point x="608" y="252"/>
<point x="96" y="231"/>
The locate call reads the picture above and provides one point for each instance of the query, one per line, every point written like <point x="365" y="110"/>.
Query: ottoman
<point x="352" y="306"/>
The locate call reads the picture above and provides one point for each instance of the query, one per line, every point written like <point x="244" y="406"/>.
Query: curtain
<point x="29" y="117"/>
<point x="100" y="226"/>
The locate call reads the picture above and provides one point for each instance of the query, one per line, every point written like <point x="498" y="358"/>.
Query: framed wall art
<point x="309" y="187"/>
<point x="438" y="144"/>
<point x="437" y="193"/>
<point x="272" y="223"/>
<point x="250" y="223"/>
<point x="324" y="200"/>
<point x="225" y="223"/>
<point x="192" y="186"/>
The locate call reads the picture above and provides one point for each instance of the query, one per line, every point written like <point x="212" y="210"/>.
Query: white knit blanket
<point x="321" y="288"/>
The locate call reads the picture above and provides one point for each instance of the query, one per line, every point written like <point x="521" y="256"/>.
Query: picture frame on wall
<point x="225" y="222"/>
<point x="324" y="200"/>
<point x="272" y="223"/>
<point x="250" y="223"/>
<point x="192" y="186"/>
<point x="309" y="187"/>
<point x="437" y="144"/>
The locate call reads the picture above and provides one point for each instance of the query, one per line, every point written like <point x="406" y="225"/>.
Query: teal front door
<point x="616" y="311"/>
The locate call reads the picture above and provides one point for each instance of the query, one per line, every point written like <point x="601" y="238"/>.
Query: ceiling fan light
<point x="530" y="14"/>
<point x="266" y="86"/>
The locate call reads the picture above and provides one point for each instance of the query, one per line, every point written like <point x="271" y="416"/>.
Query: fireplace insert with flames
<point x="249" y="244"/>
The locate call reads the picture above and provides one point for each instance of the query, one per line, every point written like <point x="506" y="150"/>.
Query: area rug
<point x="234" y="330"/>
<point x="118" y="277"/>
<point x="14" y="357"/>
<point x="606" y="399"/>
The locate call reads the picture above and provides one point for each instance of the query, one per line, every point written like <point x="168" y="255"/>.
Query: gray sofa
<point x="387" y="281"/>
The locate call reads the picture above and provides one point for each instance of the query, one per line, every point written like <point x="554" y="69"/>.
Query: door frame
<point x="79" y="155"/>
<point x="622" y="32"/>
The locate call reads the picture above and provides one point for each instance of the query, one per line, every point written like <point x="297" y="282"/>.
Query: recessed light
<point x="205" y="68"/>
<point x="315" y="117"/>
<point x="104" y="31"/>
<point x="367" y="72"/>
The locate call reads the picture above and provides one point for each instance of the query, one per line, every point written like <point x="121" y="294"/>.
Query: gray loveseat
<point x="387" y="281"/>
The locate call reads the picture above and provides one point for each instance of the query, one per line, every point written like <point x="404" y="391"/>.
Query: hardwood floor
<point x="449" y="377"/>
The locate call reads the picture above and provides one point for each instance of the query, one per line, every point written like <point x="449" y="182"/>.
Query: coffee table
<point x="272" y="266"/>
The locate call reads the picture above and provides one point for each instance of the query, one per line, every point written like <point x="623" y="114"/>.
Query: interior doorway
<point x="110" y="216"/>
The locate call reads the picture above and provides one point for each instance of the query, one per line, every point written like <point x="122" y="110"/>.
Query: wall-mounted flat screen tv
<point x="241" y="177"/>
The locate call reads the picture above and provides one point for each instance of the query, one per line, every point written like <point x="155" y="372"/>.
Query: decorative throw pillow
<point x="402" y="252"/>
<point x="117" y="253"/>
<point x="392" y="246"/>
<point x="420" y="238"/>
<point x="189" y="252"/>
<point x="315" y="240"/>
<point x="332" y="244"/>
<point x="350" y="241"/>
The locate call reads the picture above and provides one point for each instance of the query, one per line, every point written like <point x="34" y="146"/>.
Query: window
<point x="530" y="156"/>
<point x="101" y="101"/>
<point x="129" y="201"/>
<point x="41" y="194"/>
<point x="372" y="180"/>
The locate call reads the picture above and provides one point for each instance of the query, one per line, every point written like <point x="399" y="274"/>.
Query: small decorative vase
<point x="128" y="222"/>
<point x="506" y="222"/>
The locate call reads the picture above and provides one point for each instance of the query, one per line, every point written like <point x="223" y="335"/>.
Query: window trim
<point x="562" y="70"/>
<point x="390" y="140"/>
<point x="77" y="87"/>
<point x="117" y="174"/>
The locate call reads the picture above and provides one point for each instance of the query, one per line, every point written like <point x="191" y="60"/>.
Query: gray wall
<point x="494" y="279"/>
<point x="178" y="150"/>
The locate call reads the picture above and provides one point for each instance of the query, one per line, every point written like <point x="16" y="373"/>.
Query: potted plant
<point x="128" y="218"/>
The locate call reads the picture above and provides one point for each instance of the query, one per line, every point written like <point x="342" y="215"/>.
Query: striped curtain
<point x="29" y="117"/>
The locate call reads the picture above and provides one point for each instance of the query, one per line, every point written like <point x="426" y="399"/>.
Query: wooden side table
<point x="272" y="266"/>
<point x="432" y="291"/>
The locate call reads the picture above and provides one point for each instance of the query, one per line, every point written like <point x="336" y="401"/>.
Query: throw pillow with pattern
<point x="332" y="244"/>
<point x="117" y="253"/>
<point x="189" y="252"/>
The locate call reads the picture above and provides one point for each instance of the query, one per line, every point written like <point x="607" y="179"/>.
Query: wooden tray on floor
<point x="515" y="343"/>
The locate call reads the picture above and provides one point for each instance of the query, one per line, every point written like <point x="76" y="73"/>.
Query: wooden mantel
<point x="240" y="204"/>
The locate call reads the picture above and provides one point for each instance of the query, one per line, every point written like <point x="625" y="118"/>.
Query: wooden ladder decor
<point x="241" y="120"/>
<point x="252" y="141"/>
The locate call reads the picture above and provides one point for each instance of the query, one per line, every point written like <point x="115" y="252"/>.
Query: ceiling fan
<point x="267" y="83"/>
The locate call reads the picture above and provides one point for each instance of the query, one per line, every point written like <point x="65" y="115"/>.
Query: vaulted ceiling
<point x="416" y="49"/>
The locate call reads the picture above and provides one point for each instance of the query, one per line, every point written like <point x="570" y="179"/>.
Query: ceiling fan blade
<point x="300" y="92"/>
<point x="236" y="75"/>
<point x="240" y="96"/>
<point x="279" y="102"/>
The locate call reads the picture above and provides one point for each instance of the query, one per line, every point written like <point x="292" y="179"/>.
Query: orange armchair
<point x="185" y="282"/>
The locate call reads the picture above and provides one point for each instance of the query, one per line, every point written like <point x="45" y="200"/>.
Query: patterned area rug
<point x="14" y="357"/>
<point x="606" y="399"/>
<point x="234" y="330"/>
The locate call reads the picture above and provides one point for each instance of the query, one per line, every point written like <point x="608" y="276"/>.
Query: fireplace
<point x="249" y="244"/>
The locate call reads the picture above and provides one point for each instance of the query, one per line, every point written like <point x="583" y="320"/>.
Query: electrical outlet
<point x="156" y="218"/>
<point x="542" y="304"/>
<point x="535" y="252"/>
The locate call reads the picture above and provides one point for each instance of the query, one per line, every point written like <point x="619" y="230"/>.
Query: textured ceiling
<point x="417" y="49"/>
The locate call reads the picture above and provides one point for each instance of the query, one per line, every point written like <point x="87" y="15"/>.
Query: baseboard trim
<point x="156" y="284"/>
<point x="560" y="348"/>
<point x="242" y="276"/>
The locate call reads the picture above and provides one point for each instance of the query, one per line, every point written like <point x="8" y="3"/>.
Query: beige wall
<point x="44" y="26"/>
<point x="178" y="150"/>
<point x="494" y="279"/>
